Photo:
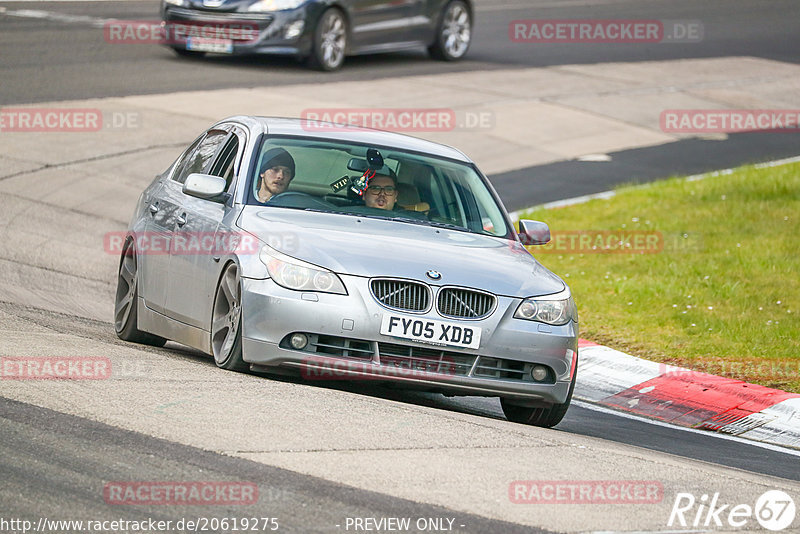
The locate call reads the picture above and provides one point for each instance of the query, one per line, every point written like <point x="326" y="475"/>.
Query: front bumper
<point x="250" y="33"/>
<point x="345" y="343"/>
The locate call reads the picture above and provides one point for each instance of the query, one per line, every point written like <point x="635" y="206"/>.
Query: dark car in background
<point x="322" y="32"/>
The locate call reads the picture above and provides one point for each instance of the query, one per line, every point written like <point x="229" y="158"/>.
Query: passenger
<point x="277" y="170"/>
<point x="381" y="193"/>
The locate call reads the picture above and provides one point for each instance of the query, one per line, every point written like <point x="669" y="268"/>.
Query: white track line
<point x="57" y="17"/>
<point x="768" y="446"/>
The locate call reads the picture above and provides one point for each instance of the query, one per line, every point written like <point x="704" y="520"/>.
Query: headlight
<point x="295" y="274"/>
<point x="174" y="2"/>
<point x="294" y="29"/>
<point x="557" y="309"/>
<point x="274" y="5"/>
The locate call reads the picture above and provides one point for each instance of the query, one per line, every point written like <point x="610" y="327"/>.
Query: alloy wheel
<point x="226" y="315"/>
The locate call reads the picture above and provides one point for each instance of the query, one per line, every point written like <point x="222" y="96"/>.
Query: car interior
<point x="327" y="177"/>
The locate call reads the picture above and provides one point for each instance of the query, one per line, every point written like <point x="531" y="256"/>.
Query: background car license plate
<point x="202" y="44"/>
<point x="431" y="331"/>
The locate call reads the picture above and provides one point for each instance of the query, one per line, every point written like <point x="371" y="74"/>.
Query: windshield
<point x="373" y="181"/>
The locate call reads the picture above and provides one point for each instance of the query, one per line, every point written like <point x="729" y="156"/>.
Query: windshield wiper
<point x="426" y="222"/>
<point x="412" y="221"/>
<point x="450" y="226"/>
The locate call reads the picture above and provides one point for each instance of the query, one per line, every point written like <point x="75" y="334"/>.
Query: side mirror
<point x="533" y="232"/>
<point x="204" y="186"/>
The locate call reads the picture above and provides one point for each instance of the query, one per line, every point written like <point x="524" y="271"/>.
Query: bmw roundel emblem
<point x="434" y="275"/>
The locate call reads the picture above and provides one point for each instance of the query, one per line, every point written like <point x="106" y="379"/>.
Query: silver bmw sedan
<point x="342" y="253"/>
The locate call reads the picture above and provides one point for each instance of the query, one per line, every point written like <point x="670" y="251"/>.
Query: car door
<point x="422" y="19"/>
<point x="155" y="244"/>
<point x="376" y="23"/>
<point x="200" y="239"/>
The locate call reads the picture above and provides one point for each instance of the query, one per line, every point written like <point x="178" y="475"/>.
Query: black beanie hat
<point x="275" y="157"/>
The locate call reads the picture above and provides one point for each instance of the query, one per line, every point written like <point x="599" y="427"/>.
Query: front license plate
<point x="203" y="44"/>
<point x="430" y="331"/>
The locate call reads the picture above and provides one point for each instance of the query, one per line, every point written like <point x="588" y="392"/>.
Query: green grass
<point x="723" y="296"/>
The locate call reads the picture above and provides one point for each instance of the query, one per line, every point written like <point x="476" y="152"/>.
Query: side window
<point x="175" y="168"/>
<point x="197" y="159"/>
<point x="225" y="164"/>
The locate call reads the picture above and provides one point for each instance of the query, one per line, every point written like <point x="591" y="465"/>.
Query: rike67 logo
<point x="774" y="510"/>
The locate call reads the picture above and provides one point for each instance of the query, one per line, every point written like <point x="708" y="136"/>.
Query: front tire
<point x="543" y="417"/>
<point x="454" y="34"/>
<point x="127" y="300"/>
<point x="330" y="41"/>
<point x="226" y="322"/>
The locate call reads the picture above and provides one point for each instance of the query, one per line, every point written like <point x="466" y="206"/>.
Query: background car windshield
<point x="429" y="190"/>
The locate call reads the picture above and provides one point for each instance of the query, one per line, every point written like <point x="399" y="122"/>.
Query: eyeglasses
<point x="376" y="190"/>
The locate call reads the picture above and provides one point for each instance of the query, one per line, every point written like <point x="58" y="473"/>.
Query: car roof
<point x="356" y="134"/>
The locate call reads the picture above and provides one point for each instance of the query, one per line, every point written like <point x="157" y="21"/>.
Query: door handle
<point x="182" y="219"/>
<point x="154" y="208"/>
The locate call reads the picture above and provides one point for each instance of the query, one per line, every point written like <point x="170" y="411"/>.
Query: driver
<point x="381" y="193"/>
<point x="277" y="170"/>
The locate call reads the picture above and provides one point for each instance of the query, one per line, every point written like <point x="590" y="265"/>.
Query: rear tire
<point x="226" y="322"/>
<point x="127" y="300"/>
<point x="330" y="41"/>
<point x="454" y="34"/>
<point x="543" y="417"/>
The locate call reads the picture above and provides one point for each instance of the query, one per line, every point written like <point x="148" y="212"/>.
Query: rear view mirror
<point x="533" y="232"/>
<point x="204" y="186"/>
<point x="358" y="165"/>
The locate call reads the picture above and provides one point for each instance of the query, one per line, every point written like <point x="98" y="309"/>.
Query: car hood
<point x="370" y="247"/>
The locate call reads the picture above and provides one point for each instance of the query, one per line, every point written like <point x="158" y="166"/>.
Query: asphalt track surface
<point x="48" y="60"/>
<point x="83" y="456"/>
<point x="55" y="463"/>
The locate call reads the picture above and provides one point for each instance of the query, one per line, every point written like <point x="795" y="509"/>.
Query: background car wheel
<point x="182" y="52"/>
<point x="544" y="417"/>
<point x="125" y="315"/>
<point x="454" y="34"/>
<point x="330" y="41"/>
<point x="226" y="322"/>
